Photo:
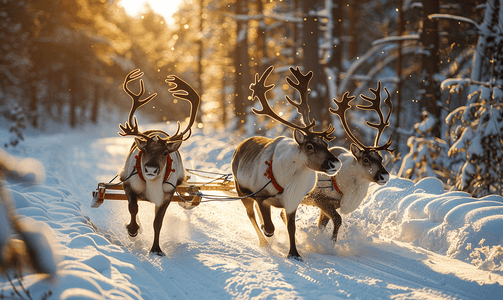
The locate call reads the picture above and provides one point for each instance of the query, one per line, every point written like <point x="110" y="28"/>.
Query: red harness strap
<point x="335" y="185"/>
<point x="137" y="167"/>
<point x="270" y="175"/>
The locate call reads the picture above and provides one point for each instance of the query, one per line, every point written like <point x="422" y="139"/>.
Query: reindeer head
<point x="368" y="157"/>
<point x="154" y="155"/>
<point x="312" y="144"/>
<point x="156" y="145"/>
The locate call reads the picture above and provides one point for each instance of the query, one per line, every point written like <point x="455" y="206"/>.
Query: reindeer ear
<point x="299" y="136"/>
<point x="357" y="152"/>
<point x="172" y="147"/>
<point x="140" y="143"/>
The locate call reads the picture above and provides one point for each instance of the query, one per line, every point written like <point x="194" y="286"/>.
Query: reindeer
<point x="154" y="166"/>
<point x="361" y="166"/>
<point x="290" y="164"/>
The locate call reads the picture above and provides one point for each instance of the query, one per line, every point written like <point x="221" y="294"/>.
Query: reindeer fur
<point x="292" y="170"/>
<point x="153" y="189"/>
<point x="289" y="168"/>
<point x="353" y="180"/>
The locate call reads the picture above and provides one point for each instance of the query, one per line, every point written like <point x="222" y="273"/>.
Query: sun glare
<point x="165" y="8"/>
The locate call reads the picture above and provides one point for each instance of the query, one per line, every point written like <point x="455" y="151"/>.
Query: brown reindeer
<point x="281" y="171"/>
<point x="154" y="166"/>
<point x="361" y="166"/>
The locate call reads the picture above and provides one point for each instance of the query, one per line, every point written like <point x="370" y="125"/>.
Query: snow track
<point x="212" y="250"/>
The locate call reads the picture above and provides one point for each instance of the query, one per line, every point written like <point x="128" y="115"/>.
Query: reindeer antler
<point x="260" y="89"/>
<point x="131" y="126"/>
<point x="303" y="88"/>
<point x="343" y="106"/>
<point x="376" y="106"/>
<point x="184" y="91"/>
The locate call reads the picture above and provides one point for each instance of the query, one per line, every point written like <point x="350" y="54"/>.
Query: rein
<point x="209" y="198"/>
<point x="225" y="198"/>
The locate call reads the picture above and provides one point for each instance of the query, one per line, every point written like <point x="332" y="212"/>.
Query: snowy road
<point x="212" y="252"/>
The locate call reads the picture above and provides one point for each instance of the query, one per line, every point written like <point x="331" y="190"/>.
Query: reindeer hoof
<point x="157" y="251"/>
<point x="132" y="229"/>
<point x="295" y="256"/>
<point x="267" y="234"/>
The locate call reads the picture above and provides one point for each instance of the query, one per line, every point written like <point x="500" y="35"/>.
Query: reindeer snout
<point x="333" y="165"/>
<point x="382" y="178"/>
<point x="151" y="171"/>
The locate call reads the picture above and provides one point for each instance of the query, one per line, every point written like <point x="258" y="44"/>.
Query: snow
<point x="406" y="240"/>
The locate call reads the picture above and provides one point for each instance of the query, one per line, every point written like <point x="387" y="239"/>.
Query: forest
<point x="64" y="62"/>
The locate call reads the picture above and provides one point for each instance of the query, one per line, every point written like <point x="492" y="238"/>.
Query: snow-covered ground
<point x="406" y="241"/>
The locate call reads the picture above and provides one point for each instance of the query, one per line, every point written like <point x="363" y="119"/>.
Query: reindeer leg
<point x="132" y="227"/>
<point x="160" y="211"/>
<point x="328" y="211"/>
<point x="323" y="220"/>
<point x="248" y="203"/>
<point x="290" y="225"/>
<point x="337" y="219"/>
<point x="265" y="211"/>
<point x="282" y="214"/>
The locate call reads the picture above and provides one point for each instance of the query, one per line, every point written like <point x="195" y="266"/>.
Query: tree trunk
<point x="33" y="104"/>
<point x="430" y="62"/>
<point x="200" y="59"/>
<point x="295" y="44"/>
<point x="334" y="36"/>
<point x="399" y="74"/>
<point x="260" y="58"/>
<point x="353" y="42"/>
<point x="242" y="70"/>
<point x="486" y="46"/>
<point x="318" y="98"/>
<point x="98" y="90"/>
<point x="336" y="15"/>
<point x="73" y="99"/>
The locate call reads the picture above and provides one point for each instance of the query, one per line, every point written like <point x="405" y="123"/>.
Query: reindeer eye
<point x="309" y="146"/>
<point x="366" y="160"/>
<point x="166" y="152"/>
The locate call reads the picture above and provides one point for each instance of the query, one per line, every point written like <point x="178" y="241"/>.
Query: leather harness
<point x="270" y="175"/>
<point x="280" y="189"/>
<point x="334" y="184"/>
<point x="137" y="166"/>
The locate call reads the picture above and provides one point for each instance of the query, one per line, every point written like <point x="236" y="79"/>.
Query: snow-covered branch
<point x="5" y="70"/>
<point x="454" y="18"/>
<point x="393" y="39"/>
<point x="272" y="15"/>
<point x="464" y="82"/>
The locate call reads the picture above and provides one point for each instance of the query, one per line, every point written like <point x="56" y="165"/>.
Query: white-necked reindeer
<point x="360" y="166"/>
<point x="154" y="166"/>
<point x="289" y="164"/>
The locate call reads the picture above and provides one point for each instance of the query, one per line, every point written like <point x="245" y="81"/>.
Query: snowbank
<point x="449" y="223"/>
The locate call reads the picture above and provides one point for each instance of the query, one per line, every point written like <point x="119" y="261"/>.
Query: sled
<point x="188" y="194"/>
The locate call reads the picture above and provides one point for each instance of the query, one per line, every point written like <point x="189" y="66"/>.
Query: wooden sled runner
<point x="188" y="194"/>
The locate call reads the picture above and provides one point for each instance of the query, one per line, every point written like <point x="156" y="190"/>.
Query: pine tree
<point x="476" y="141"/>
<point x="428" y="154"/>
<point x="18" y="118"/>
<point x="473" y="132"/>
